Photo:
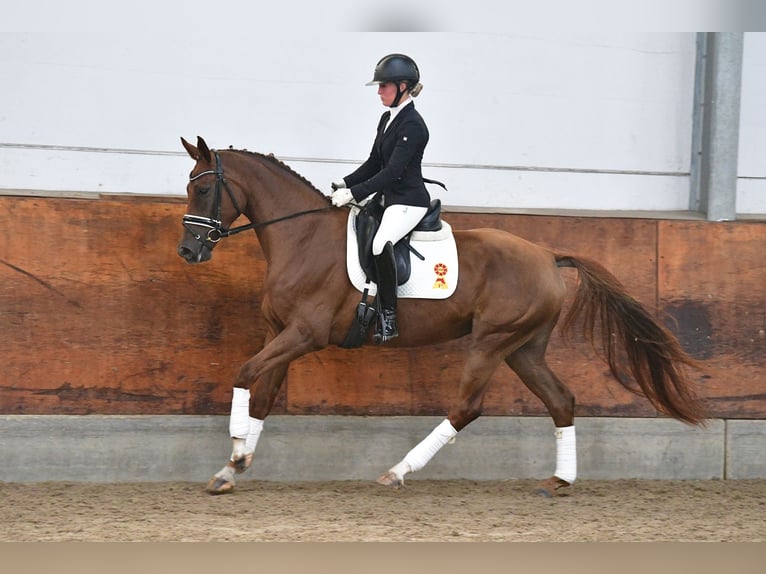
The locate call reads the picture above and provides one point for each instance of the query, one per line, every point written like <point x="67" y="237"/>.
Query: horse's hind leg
<point x="529" y="364"/>
<point x="473" y="384"/>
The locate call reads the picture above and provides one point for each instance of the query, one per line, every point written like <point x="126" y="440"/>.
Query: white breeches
<point x="398" y="221"/>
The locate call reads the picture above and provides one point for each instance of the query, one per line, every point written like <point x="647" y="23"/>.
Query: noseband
<point x="215" y="229"/>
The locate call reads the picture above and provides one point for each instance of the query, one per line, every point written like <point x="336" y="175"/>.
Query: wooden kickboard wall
<point x="101" y="316"/>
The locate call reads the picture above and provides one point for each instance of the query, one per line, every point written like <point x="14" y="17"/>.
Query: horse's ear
<point x="190" y="149"/>
<point x="204" y="151"/>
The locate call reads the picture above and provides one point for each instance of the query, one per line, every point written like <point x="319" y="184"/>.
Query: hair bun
<point x="416" y="90"/>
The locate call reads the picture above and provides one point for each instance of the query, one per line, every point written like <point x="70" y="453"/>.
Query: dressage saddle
<point x="367" y="224"/>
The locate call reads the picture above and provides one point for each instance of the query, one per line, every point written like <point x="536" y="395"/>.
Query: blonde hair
<point x="416" y="90"/>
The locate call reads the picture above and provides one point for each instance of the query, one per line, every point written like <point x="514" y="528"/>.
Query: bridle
<point x="215" y="229"/>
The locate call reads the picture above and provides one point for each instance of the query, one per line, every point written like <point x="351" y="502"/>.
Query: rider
<point x="392" y="171"/>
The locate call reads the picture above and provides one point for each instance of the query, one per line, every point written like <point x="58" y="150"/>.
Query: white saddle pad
<point x="432" y="278"/>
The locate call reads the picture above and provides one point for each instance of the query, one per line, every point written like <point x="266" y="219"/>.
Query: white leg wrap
<point x="239" y="422"/>
<point x="256" y="426"/>
<point x="237" y="448"/>
<point x="566" y="454"/>
<point x="425" y="450"/>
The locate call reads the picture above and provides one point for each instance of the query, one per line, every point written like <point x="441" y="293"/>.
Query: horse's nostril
<point x="192" y="255"/>
<point x="185" y="252"/>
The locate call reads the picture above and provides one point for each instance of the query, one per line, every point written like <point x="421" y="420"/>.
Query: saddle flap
<point x="367" y="224"/>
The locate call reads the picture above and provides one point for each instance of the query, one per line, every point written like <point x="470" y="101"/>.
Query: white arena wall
<point x="575" y="121"/>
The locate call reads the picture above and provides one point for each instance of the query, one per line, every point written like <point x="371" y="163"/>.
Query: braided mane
<point x="271" y="158"/>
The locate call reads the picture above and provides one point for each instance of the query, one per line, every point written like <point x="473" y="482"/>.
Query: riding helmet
<point x="396" y="68"/>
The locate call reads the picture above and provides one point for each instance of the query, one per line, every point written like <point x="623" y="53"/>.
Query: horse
<point x="509" y="297"/>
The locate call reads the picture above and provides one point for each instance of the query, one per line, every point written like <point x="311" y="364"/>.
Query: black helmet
<point x="396" y="68"/>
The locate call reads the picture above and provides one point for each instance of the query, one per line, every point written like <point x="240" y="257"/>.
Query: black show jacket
<point x="393" y="167"/>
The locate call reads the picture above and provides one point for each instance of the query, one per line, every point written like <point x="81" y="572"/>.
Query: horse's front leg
<point x="267" y="369"/>
<point x="245" y="425"/>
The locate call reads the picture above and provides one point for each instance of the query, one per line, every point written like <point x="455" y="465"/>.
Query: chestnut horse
<point x="508" y="299"/>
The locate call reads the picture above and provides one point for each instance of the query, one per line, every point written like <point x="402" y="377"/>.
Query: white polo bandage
<point x="256" y="426"/>
<point x="239" y="422"/>
<point x="425" y="450"/>
<point x="566" y="454"/>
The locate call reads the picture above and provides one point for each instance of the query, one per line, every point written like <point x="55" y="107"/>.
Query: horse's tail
<point x="655" y="357"/>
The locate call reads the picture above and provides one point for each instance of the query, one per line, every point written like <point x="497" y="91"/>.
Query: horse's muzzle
<point x="195" y="252"/>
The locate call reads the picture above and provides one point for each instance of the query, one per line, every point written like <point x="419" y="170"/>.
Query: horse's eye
<point x="203" y="190"/>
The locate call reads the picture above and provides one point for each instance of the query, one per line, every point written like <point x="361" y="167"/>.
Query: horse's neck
<point x="274" y="195"/>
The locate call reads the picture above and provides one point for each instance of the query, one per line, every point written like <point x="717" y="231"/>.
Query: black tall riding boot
<point x="385" y="267"/>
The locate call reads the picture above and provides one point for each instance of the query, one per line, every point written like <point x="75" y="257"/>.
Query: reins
<point x="241" y="228"/>
<point x="214" y="225"/>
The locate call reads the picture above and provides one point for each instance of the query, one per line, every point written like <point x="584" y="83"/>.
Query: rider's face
<point x="387" y="92"/>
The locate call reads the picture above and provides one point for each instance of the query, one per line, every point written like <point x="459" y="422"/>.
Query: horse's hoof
<point x="551" y="487"/>
<point x="391" y="479"/>
<point x="219" y="485"/>
<point x="242" y="464"/>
